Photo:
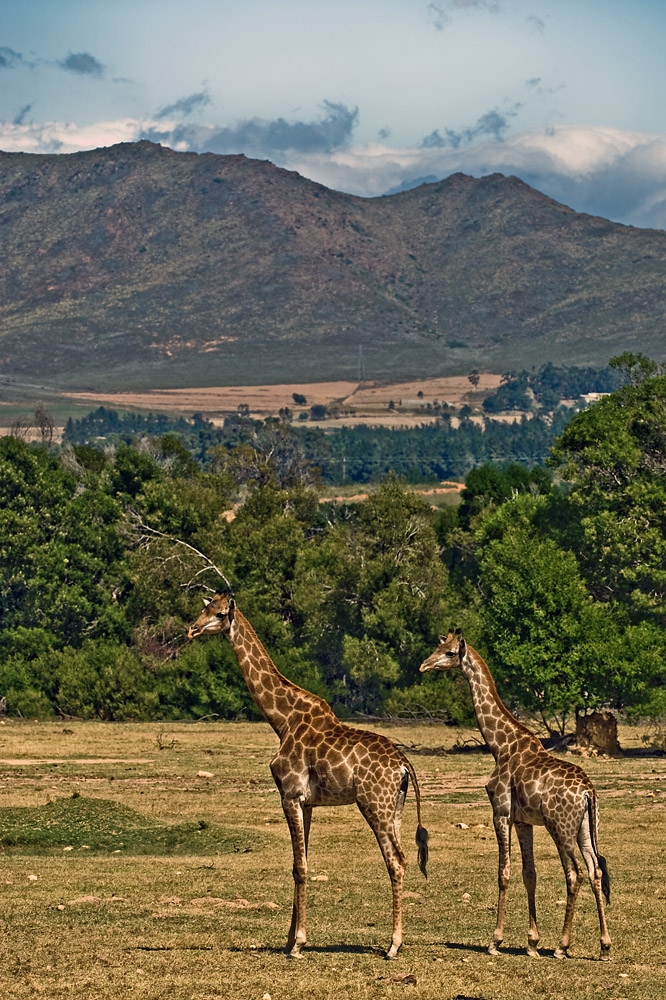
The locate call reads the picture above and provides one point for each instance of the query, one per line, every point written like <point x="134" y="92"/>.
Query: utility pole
<point x="361" y="364"/>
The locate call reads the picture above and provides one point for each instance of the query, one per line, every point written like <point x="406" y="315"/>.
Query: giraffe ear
<point x="442" y="638"/>
<point x="232" y="610"/>
<point x="462" y="648"/>
<point x="206" y="601"/>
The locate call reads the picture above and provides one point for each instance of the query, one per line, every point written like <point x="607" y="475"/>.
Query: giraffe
<point x="320" y="762"/>
<point x="530" y="787"/>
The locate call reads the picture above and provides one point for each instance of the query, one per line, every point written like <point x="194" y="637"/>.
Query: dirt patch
<point x="433" y="491"/>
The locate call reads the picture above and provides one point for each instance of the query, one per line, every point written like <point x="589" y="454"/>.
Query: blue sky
<point x="364" y="96"/>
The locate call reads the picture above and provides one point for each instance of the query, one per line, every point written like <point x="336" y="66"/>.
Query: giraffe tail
<point x="592" y="818"/>
<point x="421" y="832"/>
<point x="422" y="844"/>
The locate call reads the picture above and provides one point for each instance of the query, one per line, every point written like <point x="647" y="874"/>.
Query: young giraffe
<point x="321" y="762"/>
<point x="529" y="787"/>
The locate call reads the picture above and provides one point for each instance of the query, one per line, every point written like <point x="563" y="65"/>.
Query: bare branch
<point x="148" y="534"/>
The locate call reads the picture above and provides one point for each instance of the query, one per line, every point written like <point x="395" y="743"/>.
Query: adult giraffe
<point x="320" y="762"/>
<point x="529" y="787"/>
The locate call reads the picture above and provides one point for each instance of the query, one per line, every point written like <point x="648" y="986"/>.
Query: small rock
<point x="205" y="774"/>
<point x="319" y="878"/>
<point x="462" y="826"/>
<point x="68" y="848"/>
<point x="32" y="878"/>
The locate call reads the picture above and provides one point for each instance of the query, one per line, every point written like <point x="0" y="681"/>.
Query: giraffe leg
<point x="298" y="819"/>
<point x="503" y="832"/>
<point x="525" y="833"/>
<point x="594" y="872"/>
<point x="383" y="827"/>
<point x="572" y="875"/>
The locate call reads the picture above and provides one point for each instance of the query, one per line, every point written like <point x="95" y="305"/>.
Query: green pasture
<point x="153" y="861"/>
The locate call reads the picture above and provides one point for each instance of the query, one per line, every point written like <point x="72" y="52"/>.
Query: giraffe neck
<point x="498" y="726"/>
<point x="282" y="703"/>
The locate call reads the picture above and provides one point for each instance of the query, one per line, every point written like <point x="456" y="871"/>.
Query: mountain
<point x="138" y="266"/>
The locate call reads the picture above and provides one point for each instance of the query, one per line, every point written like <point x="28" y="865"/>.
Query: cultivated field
<point x="349" y="402"/>
<point x="151" y="861"/>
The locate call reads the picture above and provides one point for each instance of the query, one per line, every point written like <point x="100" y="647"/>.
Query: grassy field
<point x="154" y="862"/>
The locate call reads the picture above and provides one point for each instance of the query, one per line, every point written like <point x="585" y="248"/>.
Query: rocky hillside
<point x="136" y="265"/>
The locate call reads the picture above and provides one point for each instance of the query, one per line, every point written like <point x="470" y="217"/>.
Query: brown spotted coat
<point x="530" y="787"/>
<point x="320" y="762"/>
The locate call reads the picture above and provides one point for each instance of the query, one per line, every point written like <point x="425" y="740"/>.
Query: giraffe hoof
<point x="605" y="955"/>
<point x="560" y="952"/>
<point x="391" y="955"/>
<point x="294" y="953"/>
<point x="493" y="949"/>
<point x="533" y="953"/>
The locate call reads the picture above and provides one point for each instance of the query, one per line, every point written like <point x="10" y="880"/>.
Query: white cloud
<point x="66" y="137"/>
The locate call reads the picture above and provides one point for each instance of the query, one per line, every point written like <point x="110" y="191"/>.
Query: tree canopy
<point x="557" y="576"/>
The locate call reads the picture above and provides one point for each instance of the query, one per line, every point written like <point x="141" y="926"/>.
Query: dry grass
<point x="207" y="917"/>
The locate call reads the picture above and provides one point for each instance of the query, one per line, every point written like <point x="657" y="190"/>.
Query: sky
<point x="364" y="96"/>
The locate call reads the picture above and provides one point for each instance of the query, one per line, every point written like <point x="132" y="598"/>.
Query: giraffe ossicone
<point x="321" y="762"/>
<point x="530" y="787"/>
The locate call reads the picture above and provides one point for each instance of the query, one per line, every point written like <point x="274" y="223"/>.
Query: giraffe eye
<point x="221" y="615"/>
<point x="450" y="652"/>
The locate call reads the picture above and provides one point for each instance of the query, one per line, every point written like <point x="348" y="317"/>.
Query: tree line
<point x="358" y="454"/>
<point x="557" y="574"/>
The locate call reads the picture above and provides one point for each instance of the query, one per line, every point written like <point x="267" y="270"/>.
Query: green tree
<point x="371" y="585"/>
<point x="614" y="456"/>
<point x="542" y="630"/>
<point x="61" y="553"/>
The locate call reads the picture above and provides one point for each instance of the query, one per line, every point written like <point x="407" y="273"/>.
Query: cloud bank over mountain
<point x="616" y="173"/>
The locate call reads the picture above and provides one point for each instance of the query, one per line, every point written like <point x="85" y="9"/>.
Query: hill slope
<point x="136" y="265"/>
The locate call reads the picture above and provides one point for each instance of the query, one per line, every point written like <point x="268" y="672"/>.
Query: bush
<point x="22" y="695"/>
<point x="103" y="681"/>
<point x="441" y="695"/>
<point x="203" y="680"/>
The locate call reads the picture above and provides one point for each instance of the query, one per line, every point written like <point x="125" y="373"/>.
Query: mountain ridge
<point x="139" y="265"/>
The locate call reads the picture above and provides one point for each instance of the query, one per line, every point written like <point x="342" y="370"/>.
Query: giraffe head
<point x="449" y="653"/>
<point x="217" y="616"/>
